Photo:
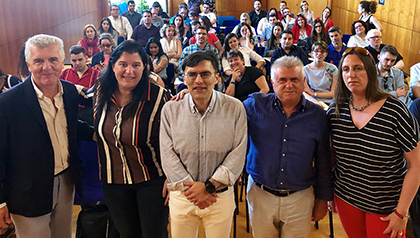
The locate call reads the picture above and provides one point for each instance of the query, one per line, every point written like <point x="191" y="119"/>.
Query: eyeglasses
<point x="375" y="37"/>
<point x="359" y="50"/>
<point x="320" y="51"/>
<point x="318" y="26"/>
<point x="358" y="26"/>
<point x="115" y="9"/>
<point x="106" y="45"/>
<point x="203" y="75"/>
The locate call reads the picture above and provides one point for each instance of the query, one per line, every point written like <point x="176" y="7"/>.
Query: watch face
<point x="210" y="188"/>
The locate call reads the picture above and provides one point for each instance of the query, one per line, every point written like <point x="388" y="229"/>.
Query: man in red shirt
<point x="80" y="73"/>
<point x="212" y="39"/>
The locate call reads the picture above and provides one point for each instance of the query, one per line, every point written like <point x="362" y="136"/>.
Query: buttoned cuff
<point x="179" y="185"/>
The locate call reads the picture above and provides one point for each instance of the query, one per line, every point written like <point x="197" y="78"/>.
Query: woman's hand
<point x="331" y="206"/>
<point x="396" y="225"/>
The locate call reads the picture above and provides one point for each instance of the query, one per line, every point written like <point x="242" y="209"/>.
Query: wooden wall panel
<point x="401" y="24"/>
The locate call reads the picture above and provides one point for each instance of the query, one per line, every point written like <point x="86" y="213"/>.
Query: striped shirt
<point x="129" y="147"/>
<point x="370" y="165"/>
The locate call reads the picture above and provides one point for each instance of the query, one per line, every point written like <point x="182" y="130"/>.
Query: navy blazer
<point x="26" y="152"/>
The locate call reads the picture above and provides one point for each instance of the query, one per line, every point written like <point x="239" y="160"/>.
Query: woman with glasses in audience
<point x="375" y="143"/>
<point x="171" y="45"/>
<point x="245" y="36"/>
<point x="101" y="59"/>
<point x="326" y="18"/>
<point x="232" y="43"/>
<point x="106" y="27"/>
<point x="89" y="41"/>
<point x="274" y="42"/>
<point x="308" y="14"/>
<point x="127" y="110"/>
<point x="366" y="9"/>
<point x="358" y="31"/>
<point x="320" y="75"/>
<point x="318" y="34"/>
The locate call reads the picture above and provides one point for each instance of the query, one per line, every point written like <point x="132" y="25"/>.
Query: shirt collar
<point x="303" y="102"/>
<point x="41" y="95"/>
<point x="210" y="107"/>
<point x="389" y="74"/>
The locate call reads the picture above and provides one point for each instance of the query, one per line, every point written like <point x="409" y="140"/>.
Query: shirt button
<point x="285" y="125"/>
<point x="282" y="169"/>
<point x="284" y="154"/>
<point x="281" y="183"/>
<point x="284" y="140"/>
<point x="202" y="137"/>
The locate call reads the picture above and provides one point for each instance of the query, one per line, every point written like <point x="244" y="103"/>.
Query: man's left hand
<point x="197" y="192"/>
<point x="320" y="210"/>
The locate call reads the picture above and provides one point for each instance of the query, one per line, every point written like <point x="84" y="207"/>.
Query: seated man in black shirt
<point x="374" y="38"/>
<point x="287" y="48"/>
<point x="244" y="80"/>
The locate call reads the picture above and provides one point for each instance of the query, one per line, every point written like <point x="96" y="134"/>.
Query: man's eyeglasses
<point x="106" y="45"/>
<point x="375" y="37"/>
<point x="203" y="75"/>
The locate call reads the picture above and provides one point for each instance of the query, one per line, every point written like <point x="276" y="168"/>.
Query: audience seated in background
<point x="204" y="21"/>
<point x="80" y="74"/>
<point x="274" y="42"/>
<point x="180" y="28"/>
<point x="245" y="18"/>
<point x="358" y="31"/>
<point x="106" y="27"/>
<point x="142" y="33"/>
<point x="308" y="14"/>
<point x="337" y="47"/>
<point x="132" y="16"/>
<point x="201" y="35"/>
<point x="288" y="49"/>
<point x="193" y="16"/>
<point x="212" y="5"/>
<point x="89" y="41"/>
<point x="301" y="30"/>
<point x="206" y="12"/>
<point x="318" y="34"/>
<point x="245" y="36"/>
<point x="282" y="6"/>
<point x="194" y="5"/>
<point x="106" y="45"/>
<point x="157" y="21"/>
<point x="414" y="91"/>
<point x="171" y="45"/>
<point x="158" y="57"/>
<point x="7" y="81"/>
<point x="366" y="9"/>
<point x="212" y="39"/>
<point x="264" y="22"/>
<point x="266" y="33"/>
<point x="183" y="11"/>
<point x="288" y="21"/>
<point x="154" y="77"/>
<point x="161" y="13"/>
<point x="374" y="38"/>
<point x="120" y="23"/>
<point x="326" y="18"/>
<point x="320" y="75"/>
<point x="244" y="80"/>
<point x="232" y="43"/>
<point x="257" y="14"/>
<point x="391" y="79"/>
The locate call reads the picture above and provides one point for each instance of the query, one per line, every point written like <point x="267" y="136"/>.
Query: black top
<point x="370" y="25"/>
<point x="256" y="18"/>
<point x="247" y="84"/>
<point x="9" y="81"/>
<point x="309" y="43"/>
<point x="375" y="53"/>
<point x="294" y="51"/>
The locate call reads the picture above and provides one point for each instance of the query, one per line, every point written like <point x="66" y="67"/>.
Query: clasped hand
<point x="197" y="195"/>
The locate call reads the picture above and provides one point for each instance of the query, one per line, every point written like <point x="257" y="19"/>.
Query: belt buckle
<point x="284" y="192"/>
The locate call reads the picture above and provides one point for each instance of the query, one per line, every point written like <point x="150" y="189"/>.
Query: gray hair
<point x="335" y="29"/>
<point x="370" y="33"/>
<point x="42" y="41"/>
<point x="288" y="62"/>
<point x="106" y="36"/>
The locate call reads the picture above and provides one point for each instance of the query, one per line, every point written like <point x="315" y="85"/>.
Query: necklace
<point x="359" y="109"/>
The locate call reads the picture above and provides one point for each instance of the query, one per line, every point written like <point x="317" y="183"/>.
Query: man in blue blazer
<point x="39" y="161"/>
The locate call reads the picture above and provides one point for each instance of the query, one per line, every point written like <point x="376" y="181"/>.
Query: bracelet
<point x="233" y="82"/>
<point x="315" y="94"/>
<point x="404" y="217"/>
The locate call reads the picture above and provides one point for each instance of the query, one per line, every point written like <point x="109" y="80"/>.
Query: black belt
<point x="222" y="190"/>
<point x="276" y="192"/>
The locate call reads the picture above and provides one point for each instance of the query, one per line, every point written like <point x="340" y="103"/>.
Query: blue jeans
<point x="138" y="210"/>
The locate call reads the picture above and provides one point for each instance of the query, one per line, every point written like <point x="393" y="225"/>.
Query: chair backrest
<point x="231" y="22"/>
<point x="229" y="29"/>
<point x="346" y="38"/>
<point x="220" y="20"/>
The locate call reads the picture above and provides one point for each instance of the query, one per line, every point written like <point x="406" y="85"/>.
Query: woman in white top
<point x="308" y="14"/>
<point x="320" y="75"/>
<point x="232" y="43"/>
<point x="358" y="31"/>
<point x="171" y="45"/>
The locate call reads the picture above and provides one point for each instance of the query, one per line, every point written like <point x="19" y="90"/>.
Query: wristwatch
<point x="315" y="94"/>
<point x="404" y="217"/>
<point x="210" y="188"/>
